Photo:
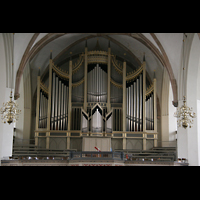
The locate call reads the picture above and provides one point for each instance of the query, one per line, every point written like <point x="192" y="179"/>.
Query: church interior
<point x="99" y="99"/>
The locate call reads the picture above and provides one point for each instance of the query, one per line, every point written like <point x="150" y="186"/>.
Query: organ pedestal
<point x="104" y="100"/>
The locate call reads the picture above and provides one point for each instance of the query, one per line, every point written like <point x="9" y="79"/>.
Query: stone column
<point x="124" y="105"/>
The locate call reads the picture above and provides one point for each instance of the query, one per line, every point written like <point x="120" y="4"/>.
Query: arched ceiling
<point x="161" y="50"/>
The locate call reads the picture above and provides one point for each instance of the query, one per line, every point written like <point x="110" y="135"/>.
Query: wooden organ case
<point x="96" y="97"/>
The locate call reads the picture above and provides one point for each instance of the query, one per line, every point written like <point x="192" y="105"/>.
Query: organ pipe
<point x="134" y="95"/>
<point x="43" y="110"/>
<point x="150" y="102"/>
<point x="97" y="85"/>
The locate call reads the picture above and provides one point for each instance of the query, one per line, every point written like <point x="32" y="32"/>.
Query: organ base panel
<point x="96" y="97"/>
<point x="89" y="144"/>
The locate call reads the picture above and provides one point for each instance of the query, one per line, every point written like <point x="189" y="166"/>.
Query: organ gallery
<point x="96" y="95"/>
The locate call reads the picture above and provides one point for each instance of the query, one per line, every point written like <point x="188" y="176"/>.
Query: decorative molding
<point x="149" y="90"/>
<point x="44" y="88"/>
<point x="76" y="66"/>
<point x="116" y="84"/>
<point x="77" y="83"/>
<point x="60" y="72"/>
<point x="96" y="57"/>
<point x="133" y="75"/>
<point x="116" y="64"/>
<point x="98" y="53"/>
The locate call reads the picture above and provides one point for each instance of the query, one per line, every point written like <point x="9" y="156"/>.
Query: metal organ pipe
<point x="56" y="105"/>
<point x="135" y="105"/>
<point x="40" y="111"/>
<point x="152" y="116"/>
<point x="64" y="106"/>
<point x="127" y="109"/>
<point x="97" y="85"/>
<point x="43" y="110"/>
<point x="131" y="102"/>
<point x="53" y="101"/>
<point x="61" y="125"/>
<point x="98" y="82"/>
<point x="141" y="102"/>
<point x="150" y="112"/>
<point x="138" y="105"/>
<point x="59" y="105"/>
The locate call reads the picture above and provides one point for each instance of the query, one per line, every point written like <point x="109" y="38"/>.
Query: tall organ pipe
<point x="67" y="102"/>
<point x="53" y="102"/>
<point x="59" y="98"/>
<point x="97" y="89"/>
<point x="134" y="106"/>
<point x="56" y="104"/>
<point x="127" y="108"/>
<point x="62" y="90"/>
<point x="64" y="108"/>
<point x="40" y="118"/>
<point x="131" y="95"/>
<point x="141" y="102"/>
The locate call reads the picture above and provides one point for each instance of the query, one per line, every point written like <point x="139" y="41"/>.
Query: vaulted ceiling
<point x="161" y="50"/>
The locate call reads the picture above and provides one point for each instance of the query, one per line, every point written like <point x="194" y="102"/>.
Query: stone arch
<point x="31" y="51"/>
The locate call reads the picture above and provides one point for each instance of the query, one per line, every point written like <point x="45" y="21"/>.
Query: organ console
<point x="93" y="104"/>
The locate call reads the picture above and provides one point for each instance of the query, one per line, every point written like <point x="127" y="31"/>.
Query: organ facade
<point x="96" y="95"/>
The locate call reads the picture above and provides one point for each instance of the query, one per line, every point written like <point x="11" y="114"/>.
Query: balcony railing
<point x="90" y="155"/>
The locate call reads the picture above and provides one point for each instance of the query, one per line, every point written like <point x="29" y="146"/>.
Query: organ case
<point x="61" y="106"/>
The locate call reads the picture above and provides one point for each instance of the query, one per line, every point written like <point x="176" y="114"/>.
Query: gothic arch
<point x="32" y="51"/>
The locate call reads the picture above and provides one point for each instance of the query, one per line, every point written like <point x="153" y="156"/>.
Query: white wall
<point x="2" y="85"/>
<point x="192" y="75"/>
<point x="6" y="131"/>
<point x="172" y="119"/>
<point x="188" y="140"/>
<point x="168" y="121"/>
<point x="23" y="126"/>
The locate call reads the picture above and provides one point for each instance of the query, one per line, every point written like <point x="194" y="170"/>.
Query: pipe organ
<point x="96" y="97"/>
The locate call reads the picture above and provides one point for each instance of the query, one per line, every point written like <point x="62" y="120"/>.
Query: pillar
<point x="124" y="105"/>
<point x="49" y="95"/>
<point x="85" y="79"/>
<point x="109" y="70"/>
<point x="37" y="110"/>
<point x="49" y="104"/>
<point x="155" y="114"/>
<point x="37" y="103"/>
<point x="144" y="105"/>
<point x="70" y="103"/>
